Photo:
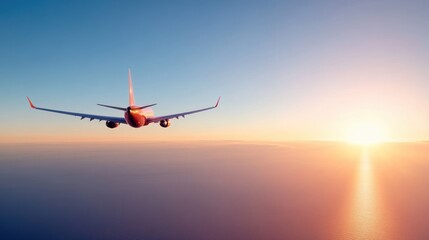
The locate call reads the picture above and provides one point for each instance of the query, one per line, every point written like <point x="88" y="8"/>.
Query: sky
<point x="286" y="70"/>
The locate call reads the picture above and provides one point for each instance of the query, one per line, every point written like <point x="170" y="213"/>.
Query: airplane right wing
<point x="177" y="115"/>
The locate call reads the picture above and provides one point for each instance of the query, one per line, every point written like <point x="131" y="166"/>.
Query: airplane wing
<point x="81" y="115"/>
<point x="177" y="115"/>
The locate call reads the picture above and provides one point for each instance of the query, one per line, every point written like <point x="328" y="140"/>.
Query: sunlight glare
<point x="367" y="133"/>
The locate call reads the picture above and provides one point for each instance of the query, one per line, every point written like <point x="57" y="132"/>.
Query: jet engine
<point x="165" y="123"/>
<point x="110" y="124"/>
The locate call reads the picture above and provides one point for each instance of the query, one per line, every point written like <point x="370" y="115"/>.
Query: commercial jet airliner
<point x="134" y="116"/>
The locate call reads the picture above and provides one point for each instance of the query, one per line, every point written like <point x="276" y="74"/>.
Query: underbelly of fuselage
<point x="137" y="118"/>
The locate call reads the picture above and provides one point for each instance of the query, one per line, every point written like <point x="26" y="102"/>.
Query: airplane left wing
<point x="81" y="115"/>
<point x="183" y="114"/>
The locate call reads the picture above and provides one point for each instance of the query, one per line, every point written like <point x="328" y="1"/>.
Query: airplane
<point x="134" y="116"/>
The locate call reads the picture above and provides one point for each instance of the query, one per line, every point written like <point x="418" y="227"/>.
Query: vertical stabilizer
<point x="130" y="88"/>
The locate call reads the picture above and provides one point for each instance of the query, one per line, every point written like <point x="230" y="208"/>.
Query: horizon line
<point x="121" y="141"/>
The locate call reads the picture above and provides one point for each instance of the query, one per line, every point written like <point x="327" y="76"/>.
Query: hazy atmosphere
<point x="272" y="119"/>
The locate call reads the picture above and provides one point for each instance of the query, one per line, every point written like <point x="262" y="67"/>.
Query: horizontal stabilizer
<point x="117" y="108"/>
<point x="125" y="109"/>
<point x="150" y="105"/>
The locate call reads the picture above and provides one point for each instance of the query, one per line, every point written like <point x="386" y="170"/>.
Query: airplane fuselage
<point x="137" y="117"/>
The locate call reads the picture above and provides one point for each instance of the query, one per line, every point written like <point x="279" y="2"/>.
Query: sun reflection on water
<point x="366" y="214"/>
<point x="361" y="213"/>
<point x="365" y="209"/>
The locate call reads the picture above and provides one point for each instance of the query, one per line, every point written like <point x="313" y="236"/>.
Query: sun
<point x="367" y="133"/>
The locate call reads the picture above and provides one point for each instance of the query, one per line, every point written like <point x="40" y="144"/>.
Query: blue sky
<point x="285" y="69"/>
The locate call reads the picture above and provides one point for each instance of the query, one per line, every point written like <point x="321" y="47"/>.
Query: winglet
<point x="217" y="103"/>
<point x="31" y="104"/>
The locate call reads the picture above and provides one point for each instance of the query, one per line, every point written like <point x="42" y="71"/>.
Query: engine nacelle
<point x="165" y="123"/>
<point x="110" y="124"/>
